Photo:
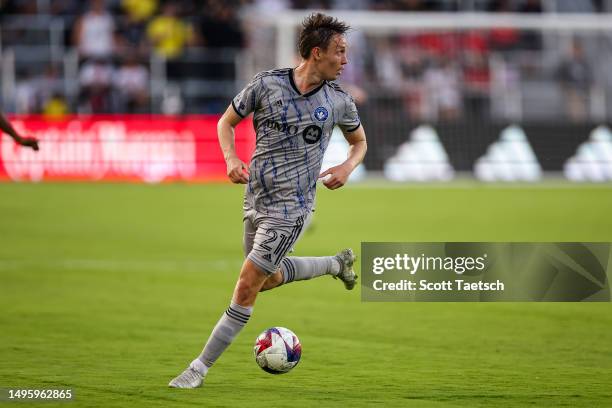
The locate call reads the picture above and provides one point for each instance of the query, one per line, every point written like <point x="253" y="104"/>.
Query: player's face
<point x="333" y="58"/>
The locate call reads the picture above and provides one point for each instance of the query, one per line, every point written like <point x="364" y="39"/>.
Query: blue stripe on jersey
<point x="269" y="105"/>
<point x="297" y="110"/>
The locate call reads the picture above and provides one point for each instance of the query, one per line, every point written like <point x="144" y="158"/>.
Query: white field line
<point x="168" y="265"/>
<point x="475" y="185"/>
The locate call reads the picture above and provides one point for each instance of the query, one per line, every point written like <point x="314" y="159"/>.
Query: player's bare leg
<point x="250" y="282"/>
<point x="274" y="280"/>
<point x="293" y="269"/>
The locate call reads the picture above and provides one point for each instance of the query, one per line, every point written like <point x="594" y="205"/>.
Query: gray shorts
<point x="268" y="239"/>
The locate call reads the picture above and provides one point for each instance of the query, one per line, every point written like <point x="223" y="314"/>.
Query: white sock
<point x="227" y="328"/>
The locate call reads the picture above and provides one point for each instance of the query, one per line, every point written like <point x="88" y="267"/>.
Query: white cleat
<point x="346" y="257"/>
<point x="189" y="378"/>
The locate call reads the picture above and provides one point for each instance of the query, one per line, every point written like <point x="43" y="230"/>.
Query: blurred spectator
<point x="576" y="79"/>
<point x="172" y="102"/>
<point x="387" y="71"/>
<point x="131" y="39"/>
<point x="475" y="42"/>
<point x="258" y="36"/>
<point x="26" y="94"/>
<point x="442" y="90"/>
<point x="438" y="43"/>
<point x="132" y="83"/>
<point x="503" y="38"/>
<point x="168" y="34"/>
<point x="436" y="74"/>
<point x="96" y="87"/>
<point x="476" y="83"/>
<point x="131" y="35"/>
<point x="220" y="27"/>
<point x="94" y="32"/>
<point x="55" y="107"/>
<point x="139" y="10"/>
<point x="412" y="68"/>
<point x="49" y="84"/>
<point x="33" y="91"/>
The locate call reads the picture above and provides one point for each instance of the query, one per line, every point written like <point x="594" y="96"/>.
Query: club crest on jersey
<point x="321" y="114"/>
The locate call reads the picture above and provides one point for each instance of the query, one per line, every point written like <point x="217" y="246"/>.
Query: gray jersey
<point x="293" y="131"/>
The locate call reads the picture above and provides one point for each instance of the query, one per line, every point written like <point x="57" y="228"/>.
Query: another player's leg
<point x="227" y="328"/>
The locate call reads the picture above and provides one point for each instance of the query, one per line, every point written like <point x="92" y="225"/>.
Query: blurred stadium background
<point x="100" y="281"/>
<point x="505" y="90"/>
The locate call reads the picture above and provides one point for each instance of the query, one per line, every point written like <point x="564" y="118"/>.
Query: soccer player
<point x="295" y="111"/>
<point x="6" y="127"/>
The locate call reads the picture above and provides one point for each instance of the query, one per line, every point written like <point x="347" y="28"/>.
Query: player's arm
<point x="6" y="127"/>
<point x="237" y="170"/>
<point x="357" y="150"/>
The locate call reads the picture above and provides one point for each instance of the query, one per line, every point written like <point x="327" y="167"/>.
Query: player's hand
<point x="237" y="171"/>
<point x="28" y="142"/>
<point x="335" y="177"/>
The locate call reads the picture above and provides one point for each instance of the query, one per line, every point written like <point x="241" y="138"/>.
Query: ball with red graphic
<point x="277" y="350"/>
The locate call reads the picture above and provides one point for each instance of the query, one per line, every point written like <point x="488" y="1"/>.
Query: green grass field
<point x="112" y="289"/>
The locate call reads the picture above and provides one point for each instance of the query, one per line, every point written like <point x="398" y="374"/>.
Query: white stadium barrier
<point x="421" y="158"/>
<point x="593" y="158"/>
<point x="510" y="158"/>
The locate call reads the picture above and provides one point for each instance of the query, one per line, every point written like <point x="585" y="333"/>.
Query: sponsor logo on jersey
<point x="279" y="103"/>
<point x="281" y="127"/>
<point x="267" y="257"/>
<point x="312" y="134"/>
<point x="321" y="114"/>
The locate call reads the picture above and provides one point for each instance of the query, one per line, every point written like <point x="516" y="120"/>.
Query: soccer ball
<point x="277" y="350"/>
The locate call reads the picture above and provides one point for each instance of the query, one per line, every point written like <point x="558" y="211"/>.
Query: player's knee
<point x="249" y="284"/>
